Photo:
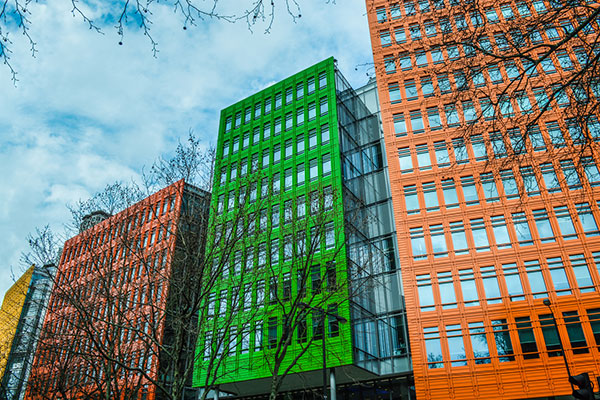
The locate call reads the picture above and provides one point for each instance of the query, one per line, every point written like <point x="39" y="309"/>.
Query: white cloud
<point x="87" y="111"/>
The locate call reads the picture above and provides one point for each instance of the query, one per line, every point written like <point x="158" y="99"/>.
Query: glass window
<point x="513" y="282"/>
<point x="565" y="222"/>
<point x="536" y="279"/>
<point x="575" y="332"/>
<point x="322" y="80"/>
<point x="444" y="84"/>
<point x="325" y="134"/>
<point x="591" y="171"/>
<point x="490" y="285"/>
<point x="326" y="165"/>
<point x="441" y="154"/>
<point x="500" y="231"/>
<point x="559" y="276"/>
<point x="433" y="348"/>
<point x="438" y="241"/>
<point x="411" y="198"/>
<point x="469" y="190"/>
<point x="435" y="122"/>
<point x="456" y="346"/>
<point x="468" y="287"/>
<point x="399" y="125"/>
<point x="437" y="56"/>
<point x="594" y="316"/>
<point x="427" y="86"/>
<point x="551" y="338"/>
<point x="479" y="235"/>
<point x="459" y="239"/>
<point x="289" y="95"/>
<point x="522" y="228"/>
<point x="400" y="35"/>
<point x="300" y="175"/>
<point x="502" y="339"/>
<point x="430" y="196"/>
<point x="417" y="240"/>
<point x="451" y="115"/>
<point x="460" y="150"/>
<point x="423" y="157"/>
<point x="405" y="160"/>
<point x="394" y="92"/>
<point x="479" y="343"/>
<point x="405" y="61"/>
<point x="490" y="190"/>
<point x="415" y="32"/>
<point x="272" y="332"/>
<point x="590" y="228"/>
<point x="323" y="106"/>
<point x="582" y="273"/>
<point x="300" y="144"/>
<point x="543" y="226"/>
<point x="509" y="184"/>
<point x="425" y="291"/>
<point x="416" y="122"/>
<point x="526" y="338"/>
<point x="312" y="139"/>
<point x="449" y="190"/>
<point x="313" y="169"/>
<point x="385" y="38"/>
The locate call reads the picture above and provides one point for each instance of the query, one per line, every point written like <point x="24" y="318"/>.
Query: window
<point x="326" y="165"/>
<point x="479" y="235"/>
<point x="405" y="62"/>
<point x="469" y="112"/>
<point x="495" y="75"/>
<point x="582" y="273"/>
<point x="513" y="282"/>
<point x="329" y="236"/>
<point x="322" y="80"/>
<point x="415" y="32"/>
<point x="334" y="328"/>
<point x="289" y="95"/>
<point x="489" y="187"/>
<point x="541" y="98"/>
<point x="456" y="346"/>
<point x="559" y="276"/>
<point x="276" y="154"/>
<point x="564" y="60"/>
<point x="575" y="332"/>
<point x="323" y="106"/>
<point x="498" y="145"/>
<point x="430" y="196"/>
<point x="504" y="346"/>
<point x="312" y="139"/>
<point x="530" y="182"/>
<point x="425" y="292"/>
<point x="278" y="101"/>
<point x="313" y="169"/>
<point x="385" y="39"/>
<point x="300" y="175"/>
<point x="460" y="150"/>
<point x="288" y="121"/>
<point x="299" y="117"/>
<point x="522" y="228"/>
<point x="446" y="287"/>
<point x="461" y="23"/>
<point x="238" y="120"/>
<point x="381" y="15"/>
<point x="437" y="56"/>
<point x="409" y="8"/>
<point x="556" y="136"/>
<point x="491" y="15"/>
<point x="288" y="179"/>
<point x="275" y="216"/>
<point x="444" y="84"/>
<point x="459" y="239"/>
<point x="276" y="183"/>
<point x="571" y="175"/>
<point x="590" y="228"/>
<point x="441" y="153"/>
<point x="390" y="64"/>
<point x="411" y="90"/>
<point x="400" y="35"/>
<point x="550" y="178"/>
<point x="543" y="226"/>
<point x="551" y="338"/>
<point x="228" y="124"/>
<point x="405" y="160"/>
<point x="417" y="241"/>
<point x="267" y="108"/>
<point x="449" y="191"/>
<point x="423" y="157"/>
<point x="411" y="199"/>
<point x="416" y="122"/>
<point x="526" y="338"/>
<point x="591" y="171"/>
<point x="272" y="332"/>
<point x="394" y="92"/>
<point x="469" y="190"/>
<point x="451" y="115"/>
<point x="500" y="231"/>
<point x="435" y="122"/>
<point x="479" y="343"/>
<point x="399" y="125"/>
<point x="248" y="114"/>
<point x="430" y="29"/>
<point x="453" y="53"/>
<point x="324" y="134"/>
<point x="479" y="149"/>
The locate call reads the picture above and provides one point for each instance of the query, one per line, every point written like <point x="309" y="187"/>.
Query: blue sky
<point x="87" y="112"/>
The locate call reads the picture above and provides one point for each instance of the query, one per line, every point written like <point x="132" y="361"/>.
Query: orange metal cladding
<point x="462" y="285"/>
<point x="146" y="221"/>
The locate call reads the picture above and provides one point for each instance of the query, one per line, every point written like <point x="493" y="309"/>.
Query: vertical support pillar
<point x="332" y="388"/>
<point x="216" y="393"/>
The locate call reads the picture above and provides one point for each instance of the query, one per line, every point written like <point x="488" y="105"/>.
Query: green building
<point x="302" y="241"/>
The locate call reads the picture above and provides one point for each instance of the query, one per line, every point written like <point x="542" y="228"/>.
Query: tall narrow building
<point x="20" y="358"/>
<point x="115" y="325"/>
<point x="312" y="289"/>
<point x="496" y="212"/>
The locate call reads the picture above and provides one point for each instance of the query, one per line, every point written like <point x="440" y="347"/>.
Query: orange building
<point x="104" y="332"/>
<point x="489" y="228"/>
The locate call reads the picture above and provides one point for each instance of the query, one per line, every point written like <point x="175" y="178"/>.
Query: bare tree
<point x="15" y="17"/>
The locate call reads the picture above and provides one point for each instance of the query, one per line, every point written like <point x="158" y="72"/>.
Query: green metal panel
<point x="252" y="365"/>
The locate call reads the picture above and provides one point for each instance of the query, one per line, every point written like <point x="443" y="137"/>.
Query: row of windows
<point x="279" y="289"/>
<point x="290" y="148"/>
<point x="260" y="134"/>
<point x="457" y="151"/>
<point x="264" y="108"/>
<point x="511" y="70"/>
<point x="281" y="250"/>
<point x="507" y="10"/>
<point x="508" y="282"/>
<point x="518" y="39"/>
<point x="119" y="229"/>
<point x="256" y="338"/>
<point x="429" y="196"/>
<point x="479" y="342"/>
<point x="479" y="233"/>
<point x="426" y="86"/>
<point x="291" y="178"/>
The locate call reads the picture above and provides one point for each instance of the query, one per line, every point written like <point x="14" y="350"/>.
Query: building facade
<point x="111" y="310"/>
<point x="12" y="307"/>
<point x="491" y="221"/>
<point x="20" y="359"/>
<point x="302" y="182"/>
